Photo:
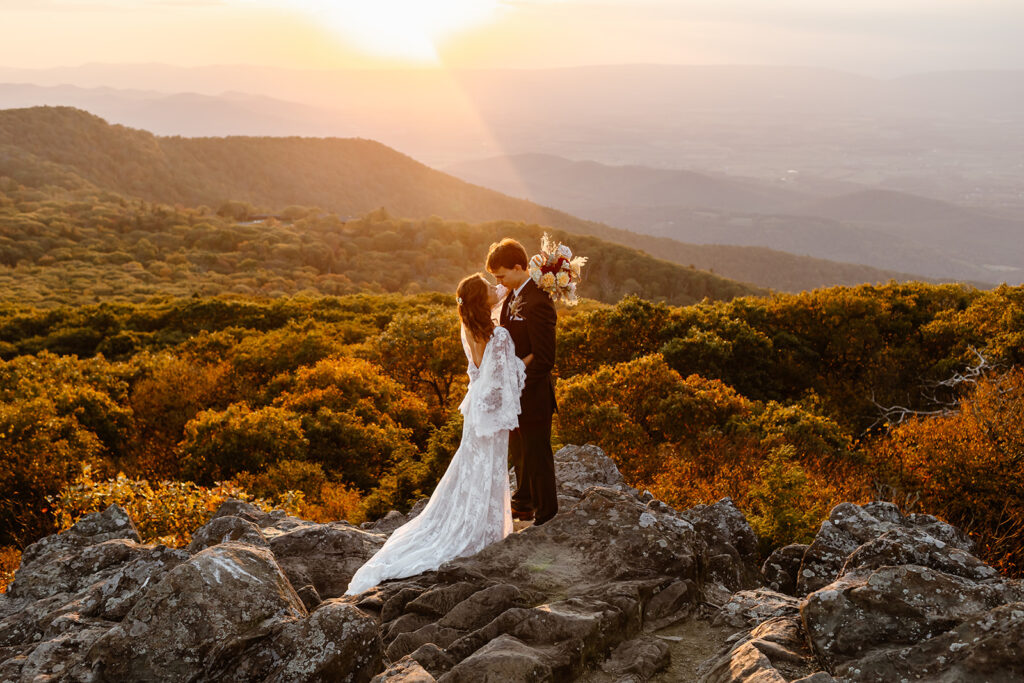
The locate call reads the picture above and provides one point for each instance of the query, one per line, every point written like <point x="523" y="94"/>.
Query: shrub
<point x="784" y="505"/>
<point x="170" y="392"/>
<point x="259" y="357"/>
<point x="967" y="467"/>
<point x="353" y="385"/>
<point x="40" y="451"/>
<point x="283" y="476"/>
<point x="10" y="560"/>
<point x="219" y="444"/>
<point x="337" y="501"/>
<point x="630" y="408"/>
<point x="415" y="477"/>
<point x="167" y="512"/>
<point x="352" y="449"/>
<point x="422" y="350"/>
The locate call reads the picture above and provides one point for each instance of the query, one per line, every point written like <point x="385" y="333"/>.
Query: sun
<point x="402" y="29"/>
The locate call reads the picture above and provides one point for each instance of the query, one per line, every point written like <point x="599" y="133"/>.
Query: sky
<point x="875" y="37"/>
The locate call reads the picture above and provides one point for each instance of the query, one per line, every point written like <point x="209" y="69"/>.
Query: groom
<point x="529" y="316"/>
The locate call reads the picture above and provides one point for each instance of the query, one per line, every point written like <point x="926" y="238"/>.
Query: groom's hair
<point x="507" y="254"/>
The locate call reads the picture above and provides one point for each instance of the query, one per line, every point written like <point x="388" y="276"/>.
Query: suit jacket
<point x="534" y="333"/>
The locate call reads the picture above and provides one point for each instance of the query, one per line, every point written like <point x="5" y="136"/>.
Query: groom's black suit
<point x="529" y="446"/>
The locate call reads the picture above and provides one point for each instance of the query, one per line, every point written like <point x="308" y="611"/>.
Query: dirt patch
<point x="690" y="642"/>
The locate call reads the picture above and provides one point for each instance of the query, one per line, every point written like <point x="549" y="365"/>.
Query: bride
<point x="470" y="508"/>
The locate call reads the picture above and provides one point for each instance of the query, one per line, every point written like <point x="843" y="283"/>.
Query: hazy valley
<point x="885" y="229"/>
<point x="348" y="177"/>
<point x="785" y="158"/>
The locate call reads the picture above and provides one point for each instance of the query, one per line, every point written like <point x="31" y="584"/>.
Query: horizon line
<point x="579" y="67"/>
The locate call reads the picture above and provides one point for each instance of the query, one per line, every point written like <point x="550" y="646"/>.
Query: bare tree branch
<point x="932" y="392"/>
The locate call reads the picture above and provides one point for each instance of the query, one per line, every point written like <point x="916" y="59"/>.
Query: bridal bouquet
<point x="556" y="271"/>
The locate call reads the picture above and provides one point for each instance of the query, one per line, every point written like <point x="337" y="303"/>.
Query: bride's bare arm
<point x="527" y="359"/>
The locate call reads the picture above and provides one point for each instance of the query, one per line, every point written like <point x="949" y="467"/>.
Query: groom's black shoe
<point x="522" y="515"/>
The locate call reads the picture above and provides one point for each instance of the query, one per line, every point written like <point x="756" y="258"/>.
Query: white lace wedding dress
<point x="470" y="508"/>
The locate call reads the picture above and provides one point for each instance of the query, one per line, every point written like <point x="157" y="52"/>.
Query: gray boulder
<point x="336" y="643"/>
<point x="900" y="605"/>
<point x="903" y="545"/>
<point x="780" y="571"/>
<point x="505" y="659"/>
<point x="44" y="571"/>
<point x="640" y="658"/>
<point x="70" y="589"/>
<point x="405" y="670"/>
<point x="774" y="651"/>
<point x="986" y="647"/>
<point x="324" y="556"/>
<point x="233" y="507"/>
<point x="394" y="519"/>
<point x="732" y="554"/>
<point x="850" y="526"/>
<point x="747" y="609"/>
<point x="224" y="529"/>
<point x="200" y="612"/>
<point x="577" y="468"/>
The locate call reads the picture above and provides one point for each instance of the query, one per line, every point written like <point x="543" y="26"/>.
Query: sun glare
<point x="403" y="29"/>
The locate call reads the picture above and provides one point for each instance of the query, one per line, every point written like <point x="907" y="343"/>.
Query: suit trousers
<point x="529" y="454"/>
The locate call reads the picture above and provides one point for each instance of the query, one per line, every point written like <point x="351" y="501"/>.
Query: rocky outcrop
<point x="190" y="620"/>
<point x="577" y="468"/>
<point x="988" y="646"/>
<point x="774" y="651"/>
<point x="887" y="597"/>
<point x="548" y="601"/>
<point x="780" y="571"/>
<point x="94" y="604"/>
<point x="394" y="519"/>
<point x="850" y="526"/>
<point x="732" y="546"/>
<point x="612" y="589"/>
<point x="746" y="609"/>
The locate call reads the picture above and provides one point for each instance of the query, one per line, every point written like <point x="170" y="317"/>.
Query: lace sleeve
<point x="494" y="401"/>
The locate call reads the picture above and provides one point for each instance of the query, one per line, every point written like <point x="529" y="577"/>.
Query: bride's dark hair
<point x="473" y="307"/>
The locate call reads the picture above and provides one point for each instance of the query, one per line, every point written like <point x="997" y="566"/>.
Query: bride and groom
<point x="507" y="418"/>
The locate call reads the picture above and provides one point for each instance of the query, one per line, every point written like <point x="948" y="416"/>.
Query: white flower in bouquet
<point x="547" y="281"/>
<point x="562" y="279"/>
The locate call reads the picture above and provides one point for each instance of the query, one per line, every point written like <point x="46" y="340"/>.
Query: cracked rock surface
<point x="617" y="587"/>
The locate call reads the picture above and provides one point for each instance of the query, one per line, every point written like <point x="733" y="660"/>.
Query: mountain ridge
<point x="882" y="228"/>
<point x="278" y="172"/>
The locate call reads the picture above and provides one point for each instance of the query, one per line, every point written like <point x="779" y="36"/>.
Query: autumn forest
<point x="165" y="354"/>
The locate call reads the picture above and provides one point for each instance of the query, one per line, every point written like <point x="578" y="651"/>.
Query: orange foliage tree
<point x="694" y="440"/>
<point x="967" y="467"/>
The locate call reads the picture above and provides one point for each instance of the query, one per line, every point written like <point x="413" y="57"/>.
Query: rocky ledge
<point x="617" y="587"/>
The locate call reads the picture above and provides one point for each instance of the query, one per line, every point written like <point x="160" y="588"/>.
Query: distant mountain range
<point x="186" y="113"/>
<point x="882" y="228"/>
<point x="954" y="136"/>
<point x="580" y="185"/>
<point x="65" y="146"/>
<point x="810" y="161"/>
